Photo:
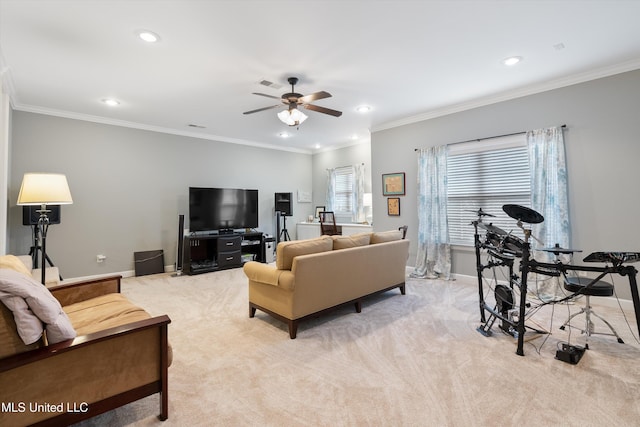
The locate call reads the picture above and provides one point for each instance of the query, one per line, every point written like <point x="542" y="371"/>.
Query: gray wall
<point x="129" y="186"/>
<point x="602" y="147"/>
<point x="347" y="156"/>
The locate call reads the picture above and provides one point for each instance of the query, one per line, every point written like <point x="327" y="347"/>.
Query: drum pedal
<point x="570" y="353"/>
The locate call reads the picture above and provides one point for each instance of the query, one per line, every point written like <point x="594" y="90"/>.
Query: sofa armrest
<point x="100" y="371"/>
<point x="262" y="273"/>
<point x="258" y="272"/>
<point x="81" y="291"/>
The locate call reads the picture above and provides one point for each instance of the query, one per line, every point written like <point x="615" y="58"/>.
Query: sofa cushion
<point x="103" y="312"/>
<point x="12" y="262"/>
<point x="351" y="241"/>
<point x="386" y="236"/>
<point x="40" y="301"/>
<point x="287" y="251"/>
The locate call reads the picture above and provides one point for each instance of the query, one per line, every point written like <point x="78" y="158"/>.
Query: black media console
<point x="212" y="252"/>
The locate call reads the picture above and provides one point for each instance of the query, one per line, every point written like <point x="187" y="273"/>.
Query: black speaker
<point x="30" y="214"/>
<point x="284" y="203"/>
<point x="180" y="249"/>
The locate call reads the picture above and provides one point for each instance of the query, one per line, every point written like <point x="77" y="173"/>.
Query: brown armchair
<point x="328" y="223"/>
<point x="113" y="361"/>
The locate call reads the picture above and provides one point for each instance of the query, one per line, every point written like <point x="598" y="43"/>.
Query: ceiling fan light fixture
<point x="292" y="117"/>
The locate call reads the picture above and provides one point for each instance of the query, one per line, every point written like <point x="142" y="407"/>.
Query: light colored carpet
<point x="413" y="360"/>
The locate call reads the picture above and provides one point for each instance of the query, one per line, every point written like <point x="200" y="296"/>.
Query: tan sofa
<point x="120" y="354"/>
<point x="314" y="275"/>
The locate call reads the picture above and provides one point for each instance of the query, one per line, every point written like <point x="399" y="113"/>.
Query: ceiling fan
<point x="293" y="116"/>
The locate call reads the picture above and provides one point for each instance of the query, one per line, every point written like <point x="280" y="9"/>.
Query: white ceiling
<point x="408" y="60"/>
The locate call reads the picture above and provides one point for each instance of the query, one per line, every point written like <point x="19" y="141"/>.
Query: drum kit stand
<point x="504" y="248"/>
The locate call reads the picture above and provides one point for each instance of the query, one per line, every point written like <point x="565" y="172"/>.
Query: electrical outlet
<point x="100" y="258"/>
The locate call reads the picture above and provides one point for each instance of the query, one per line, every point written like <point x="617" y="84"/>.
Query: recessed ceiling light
<point x="283" y="135"/>
<point x="317" y="146"/>
<point x="111" y="102"/>
<point x="512" y="60"/>
<point x="363" y="109"/>
<point x="148" y="36"/>
<point x="353" y="137"/>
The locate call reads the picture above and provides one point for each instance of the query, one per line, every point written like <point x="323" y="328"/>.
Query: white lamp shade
<point x="44" y="189"/>
<point x="292" y="117"/>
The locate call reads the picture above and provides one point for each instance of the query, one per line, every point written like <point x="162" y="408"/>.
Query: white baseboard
<point x="124" y="274"/>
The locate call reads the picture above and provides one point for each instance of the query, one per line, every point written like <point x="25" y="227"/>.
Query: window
<point x="486" y="175"/>
<point x="344" y="195"/>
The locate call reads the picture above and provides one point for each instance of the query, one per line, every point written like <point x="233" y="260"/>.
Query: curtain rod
<point x="489" y="137"/>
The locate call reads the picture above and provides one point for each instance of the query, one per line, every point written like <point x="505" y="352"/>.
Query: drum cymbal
<point x="558" y="250"/>
<point x="480" y="212"/>
<point x="492" y="229"/>
<point x="522" y="213"/>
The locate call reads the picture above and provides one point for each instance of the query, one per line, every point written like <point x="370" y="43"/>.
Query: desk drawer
<point x="229" y="244"/>
<point x="226" y="259"/>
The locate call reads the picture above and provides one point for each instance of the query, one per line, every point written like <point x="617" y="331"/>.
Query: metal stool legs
<point x="589" y="327"/>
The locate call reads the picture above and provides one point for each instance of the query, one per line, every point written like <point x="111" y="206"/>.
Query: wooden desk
<point x="309" y="230"/>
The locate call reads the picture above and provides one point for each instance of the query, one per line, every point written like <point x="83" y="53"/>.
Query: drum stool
<point x="580" y="286"/>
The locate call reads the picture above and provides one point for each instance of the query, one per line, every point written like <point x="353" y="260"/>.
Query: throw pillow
<point x="386" y="236"/>
<point x="352" y="241"/>
<point x="12" y="262"/>
<point x="287" y="251"/>
<point x="29" y="327"/>
<point x="40" y="301"/>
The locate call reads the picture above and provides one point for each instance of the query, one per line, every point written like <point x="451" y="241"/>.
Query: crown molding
<point x="359" y="141"/>
<point x="141" y="126"/>
<point x="7" y="84"/>
<point x="516" y="93"/>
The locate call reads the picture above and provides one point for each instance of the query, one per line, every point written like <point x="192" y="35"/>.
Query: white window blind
<point x="345" y="178"/>
<point x="486" y="175"/>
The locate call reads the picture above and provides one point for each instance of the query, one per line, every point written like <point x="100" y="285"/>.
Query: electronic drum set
<point x="504" y="249"/>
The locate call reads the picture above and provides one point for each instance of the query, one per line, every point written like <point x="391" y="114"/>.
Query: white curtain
<point x="358" y="194"/>
<point x="434" y="250"/>
<point x="331" y="190"/>
<point x="549" y="185"/>
<point x="549" y="197"/>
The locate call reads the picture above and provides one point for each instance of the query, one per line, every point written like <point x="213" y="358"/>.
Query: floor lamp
<point x="42" y="189"/>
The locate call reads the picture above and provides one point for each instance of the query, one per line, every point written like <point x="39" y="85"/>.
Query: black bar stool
<point x="583" y="286"/>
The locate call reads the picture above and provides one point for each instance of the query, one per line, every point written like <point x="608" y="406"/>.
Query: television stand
<point x="213" y="252"/>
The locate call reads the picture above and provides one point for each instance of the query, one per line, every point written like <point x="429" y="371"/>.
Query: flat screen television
<point x="222" y="209"/>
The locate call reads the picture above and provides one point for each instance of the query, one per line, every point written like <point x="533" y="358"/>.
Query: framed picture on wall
<point x="393" y="184"/>
<point x="318" y="210"/>
<point x="393" y="206"/>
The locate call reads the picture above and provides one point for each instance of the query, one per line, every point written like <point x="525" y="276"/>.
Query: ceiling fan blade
<point x="262" y="109"/>
<point x="324" y="110"/>
<point x="264" y="94"/>
<point x="314" y="96"/>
